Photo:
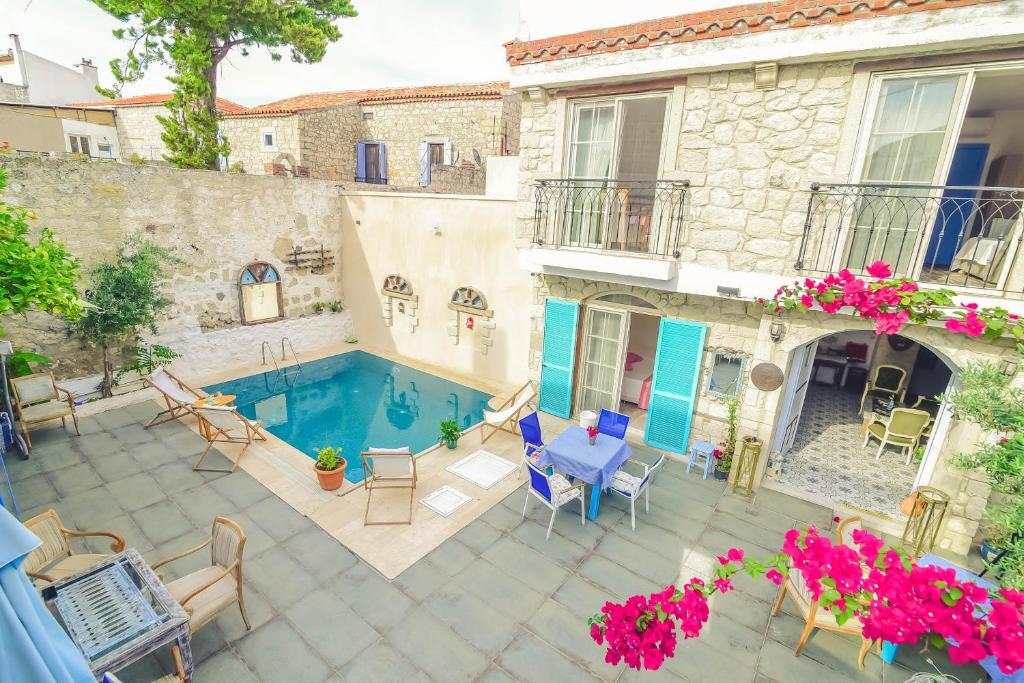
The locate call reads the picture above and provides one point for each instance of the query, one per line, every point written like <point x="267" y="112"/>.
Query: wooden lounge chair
<point x="178" y="396"/>
<point x="813" y="617"/>
<point x="37" y="399"/>
<point x="206" y="593"/>
<point x="55" y="559"/>
<point x="224" y="424"/>
<point x="509" y="412"/>
<point x="389" y="468"/>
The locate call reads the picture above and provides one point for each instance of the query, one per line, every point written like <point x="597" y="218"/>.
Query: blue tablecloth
<point x="570" y="452"/>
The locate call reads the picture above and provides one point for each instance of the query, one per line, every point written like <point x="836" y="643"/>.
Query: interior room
<point x="973" y="230"/>
<point x="638" y="372"/>
<point x="862" y="386"/>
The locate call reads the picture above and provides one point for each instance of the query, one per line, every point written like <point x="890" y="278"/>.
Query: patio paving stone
<point x="496" y="602"/>
<point x="275" y="652"/>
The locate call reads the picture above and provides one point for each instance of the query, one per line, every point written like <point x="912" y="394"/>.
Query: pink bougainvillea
<point x="892" y="303"/>
<point x="893" y="598"/>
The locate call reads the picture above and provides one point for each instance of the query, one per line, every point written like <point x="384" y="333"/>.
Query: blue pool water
<point x="354" y="401"/>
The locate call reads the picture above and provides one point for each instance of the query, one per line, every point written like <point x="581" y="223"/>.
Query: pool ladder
<point x="282" y="372"/>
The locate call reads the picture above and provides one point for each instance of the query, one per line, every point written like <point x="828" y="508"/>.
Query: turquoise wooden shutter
<point x="674" y="387"/>
<point x="556" y="365"/>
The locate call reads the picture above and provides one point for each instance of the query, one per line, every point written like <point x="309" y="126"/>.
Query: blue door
<point x="556" y="365"/>
<point x="674" y="387"/>
<point x="956" y="207"/>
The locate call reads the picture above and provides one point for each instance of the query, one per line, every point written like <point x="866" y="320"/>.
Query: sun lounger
<point x="509" y="412"/>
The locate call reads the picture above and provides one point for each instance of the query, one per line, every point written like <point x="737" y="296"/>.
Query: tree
<point x="34" y="274"/>
<point x="194" y="37"/>
<point x="126" y="299"/>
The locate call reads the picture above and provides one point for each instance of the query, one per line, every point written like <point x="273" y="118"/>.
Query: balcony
<point x="951" y="236"/>
<point x="621" y="217"/>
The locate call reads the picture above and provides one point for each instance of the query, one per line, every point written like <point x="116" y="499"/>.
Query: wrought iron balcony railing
<point x="631" y="216"/>
<point x="948" y="235"/>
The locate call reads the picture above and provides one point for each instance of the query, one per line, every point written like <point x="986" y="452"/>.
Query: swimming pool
<point x="354" y="401"/>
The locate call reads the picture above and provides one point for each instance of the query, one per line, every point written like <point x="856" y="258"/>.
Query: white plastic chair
<point x="631" y="487"/>
<point x="554" y="490"/>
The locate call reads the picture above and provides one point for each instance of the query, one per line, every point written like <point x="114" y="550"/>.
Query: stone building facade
<point x="753" y="118"/>
<point x="249" y="151"/>
<point x="214" y="223"/>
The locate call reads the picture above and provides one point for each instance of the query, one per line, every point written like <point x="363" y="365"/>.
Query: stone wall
<point x="328" y="142"/>
<point x="216" y="223"/>
<point x="139" y="132"/>
<point x="751" y="156"/>
<point x="740" y="326"/>
<point x="245" y="135"/>
<point x="461" y="179"/>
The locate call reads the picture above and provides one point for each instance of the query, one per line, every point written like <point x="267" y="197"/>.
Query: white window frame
<point x="970" y="72"/>
<point x="79" y="138"/>
<point x="273" y="139"/>
<point x="572" y="121"/>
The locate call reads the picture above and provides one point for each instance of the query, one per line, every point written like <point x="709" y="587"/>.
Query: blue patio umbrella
<point x="35" y="647"/>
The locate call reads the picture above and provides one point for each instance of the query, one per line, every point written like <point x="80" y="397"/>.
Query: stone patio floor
<point x="497" y="602"/>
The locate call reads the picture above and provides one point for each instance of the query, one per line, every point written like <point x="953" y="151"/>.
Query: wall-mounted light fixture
<point x="777" y="330"/>
<point x="729" y="292"/>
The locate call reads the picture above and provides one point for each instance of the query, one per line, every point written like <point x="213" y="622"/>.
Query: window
<point x="367" y="116"/>
<point x="726" y="374"/>
<point x="105" y="150"/>
<point x="431" y="153"/>
<point x="79" y="144"/>
<point x="470" y="300"/>
<point x="260" y="293"/>
<point x="371" y="163"/>
<point x="436" y="153"/>
<point x="617" y="138"/>
<point x="268" y="138"/>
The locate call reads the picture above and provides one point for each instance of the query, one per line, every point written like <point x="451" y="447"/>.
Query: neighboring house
<point x="674" y="170"/>
<point x="26" y="77"/>
<point x="137" y="126"/>
<point x="435" y="138"/>
<point x="46" y="128"/>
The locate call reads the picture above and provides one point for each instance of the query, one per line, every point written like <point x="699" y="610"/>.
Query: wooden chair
<point x="886" y="381"/>
<point x="224" y="424"/>
<point x="178" y="396"/>
<point x="55" y="559"/>
<point x="814" y="617"/>
<point x="844" y="532"/>
<point x="206" y="593"/>
<point x="37" y="399"/>
<point x="388" y="468"/>
<point x="508" y="412"/>
<point x="903" y="430"/>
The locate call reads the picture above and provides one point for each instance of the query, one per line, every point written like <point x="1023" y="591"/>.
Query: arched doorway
<point x="616" y="350"/>
<point x="848" y="387"/>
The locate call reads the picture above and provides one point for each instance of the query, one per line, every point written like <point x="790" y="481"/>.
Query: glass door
<point x="800" y="378"/>
<point x="605" y="331"/>
<point x="590" y="164"/>
<point x="912" y="125"/>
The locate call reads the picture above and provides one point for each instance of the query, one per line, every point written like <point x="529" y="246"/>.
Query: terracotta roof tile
<point x="224" y="106"/>
<point x="321" y="100"/>
<point x="717" y="23"/>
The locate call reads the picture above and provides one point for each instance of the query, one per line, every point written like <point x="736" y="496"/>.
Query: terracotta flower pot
<point x="331" y="480"/>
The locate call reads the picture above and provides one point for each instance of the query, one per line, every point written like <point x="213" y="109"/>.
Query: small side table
<point x="701" y="449"/>
<point x="211" y="401"/>
<point x="117" y="612"/>
<point x="750" y="456"/>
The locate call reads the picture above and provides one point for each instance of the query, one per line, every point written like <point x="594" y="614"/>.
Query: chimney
<point x="90" y="72"/>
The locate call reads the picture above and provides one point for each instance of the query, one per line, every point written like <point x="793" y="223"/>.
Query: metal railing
<point x="632" y="216"/>
<point x="941" y="234"/>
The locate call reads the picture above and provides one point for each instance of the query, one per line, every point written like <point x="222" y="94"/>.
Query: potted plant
<point x="319" y="307"/>
<point x="335" y="306"/>
<point x="329" y="468"/>
<point x="450" y="433"/>
<point x="727" y="451"/>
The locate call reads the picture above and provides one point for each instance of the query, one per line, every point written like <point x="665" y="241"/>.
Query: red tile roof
<point x="320" y="100"/>
<point x="717" y="23"/>
<point x="224" y="106"/>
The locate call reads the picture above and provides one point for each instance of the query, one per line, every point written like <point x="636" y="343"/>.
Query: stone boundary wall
<point x="215" y="223"/>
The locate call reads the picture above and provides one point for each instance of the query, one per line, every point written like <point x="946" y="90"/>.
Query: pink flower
<point x="774" y="576"/>
<point x="836" y="519"/>
<point x="973" y="306"/>
<point x="735" y="555"/>
<point x="724" y="585"/>
<point x="807" y="300"/>
<point x="879" y="269"/>
<point x="971" y="325"/>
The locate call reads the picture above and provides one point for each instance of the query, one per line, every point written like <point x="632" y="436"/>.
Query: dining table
<point x="572" y="454"/>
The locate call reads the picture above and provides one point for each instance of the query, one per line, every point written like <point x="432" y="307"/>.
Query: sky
<point x="390" y="43"/>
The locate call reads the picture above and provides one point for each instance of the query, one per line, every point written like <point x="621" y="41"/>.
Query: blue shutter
<point x="556" y="365"/>
<point x="360" y="161"/>
<point x="383" y="151"/>
<point x="424" y="164"/>
<point x="674" y="387"/>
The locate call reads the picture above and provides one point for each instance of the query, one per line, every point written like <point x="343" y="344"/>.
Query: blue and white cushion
<point x="626" y="483"/>
<point x="561" y="490"/>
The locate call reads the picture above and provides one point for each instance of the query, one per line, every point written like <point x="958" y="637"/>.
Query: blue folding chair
<point x="613" y="424"/>
<point x="554" y="490"/>
<point x="533" y="441"/>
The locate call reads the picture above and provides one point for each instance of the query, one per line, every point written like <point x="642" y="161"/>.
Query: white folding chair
<point x="554" y="490"/>
<point x="389" y="468"/>
<point x="224" y="424"/>
<point x="178" y="396"/>
<point x="631" y="487"/>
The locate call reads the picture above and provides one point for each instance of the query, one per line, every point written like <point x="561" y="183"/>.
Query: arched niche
<point x="260" y="294"/>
